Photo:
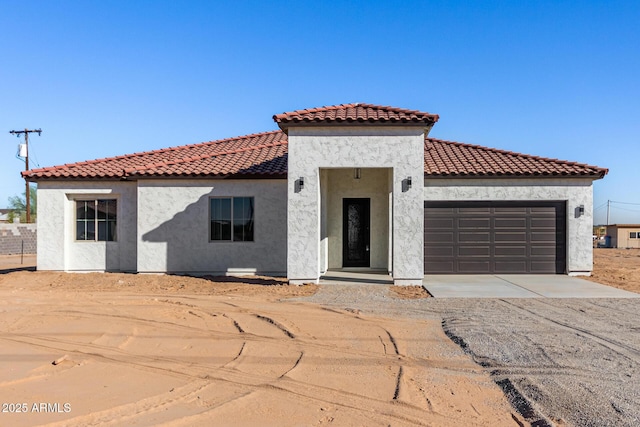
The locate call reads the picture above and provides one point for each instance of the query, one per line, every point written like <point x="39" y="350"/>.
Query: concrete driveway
<point x="519" y="286"/>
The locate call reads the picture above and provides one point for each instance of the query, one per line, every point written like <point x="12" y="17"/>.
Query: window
<point x="232" y="219"/>
<point x="100" y="215"/>
<point x="634" y="235"/>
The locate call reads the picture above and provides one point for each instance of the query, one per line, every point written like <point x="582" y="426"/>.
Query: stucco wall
<point x="57" y="247"/>
<point x="314" y="148"/>
<point x="173" y="227"/>
<point x="575" y="192"/>
<point x="373" y="184"/>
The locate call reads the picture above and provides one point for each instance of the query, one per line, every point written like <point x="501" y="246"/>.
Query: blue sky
<point x="556" y="79"/>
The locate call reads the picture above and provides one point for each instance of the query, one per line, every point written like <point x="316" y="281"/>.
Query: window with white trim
<point x="96" y="220"/>
<point x="634" y="235"/>
<point x="231" y="219"/>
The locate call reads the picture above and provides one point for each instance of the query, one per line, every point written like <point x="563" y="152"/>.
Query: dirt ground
<point x="619" y="268"/>
<point x="114" y="349"/>
<point x="125" y="349"/>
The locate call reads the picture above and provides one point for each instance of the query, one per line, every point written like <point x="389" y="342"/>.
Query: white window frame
<point x="96" y="219"/>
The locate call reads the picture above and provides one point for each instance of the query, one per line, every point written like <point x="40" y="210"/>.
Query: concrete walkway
<point x="486" y="286"/>
<point x="519" y="286"/>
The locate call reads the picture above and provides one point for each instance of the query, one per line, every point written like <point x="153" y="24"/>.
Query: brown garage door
<point x="494" y="237"/>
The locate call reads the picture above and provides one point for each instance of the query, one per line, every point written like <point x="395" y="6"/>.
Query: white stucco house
<point x="346" y="186"/>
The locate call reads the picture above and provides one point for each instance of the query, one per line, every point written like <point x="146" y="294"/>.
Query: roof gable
<point x="355" y="114"/>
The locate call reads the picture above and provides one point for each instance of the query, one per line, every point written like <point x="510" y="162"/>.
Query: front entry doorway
<point x="355" y="232"/>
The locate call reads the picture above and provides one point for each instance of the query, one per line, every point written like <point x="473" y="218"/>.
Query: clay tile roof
<point x="262" y="154"/>
<point x="455" y="159"/>
<point x="355" y="114"/>
<point x="265" y="155"/>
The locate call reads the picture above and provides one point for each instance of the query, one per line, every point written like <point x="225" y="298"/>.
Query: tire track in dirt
<point x="276" y="324"/>
<point x="129" y="412"/>
<point x="295" y="365"/>
<point x="558" y="361"/>
<point x="208" y="376"/>
<point x="235" y="323"/>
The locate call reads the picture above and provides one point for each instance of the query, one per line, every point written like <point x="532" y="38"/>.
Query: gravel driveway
<point x="560" y="361"/>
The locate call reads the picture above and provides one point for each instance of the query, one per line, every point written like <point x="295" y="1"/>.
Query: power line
<point x="624" y="203"/>
<point x="27" y="194"/>
<point x="628" y="210"/>
<point x="601" y="206"/>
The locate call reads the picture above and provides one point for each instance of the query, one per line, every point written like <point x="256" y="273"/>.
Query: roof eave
<point x="284" y="126"/>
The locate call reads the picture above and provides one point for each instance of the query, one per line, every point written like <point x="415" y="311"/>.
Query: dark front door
<point x="355" y="232"/>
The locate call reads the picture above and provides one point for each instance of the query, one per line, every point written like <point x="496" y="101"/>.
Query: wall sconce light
<point x="299" y="184"/>
<point x="357" y="173"/>
<point x="581" y="210"/>
<point x="406" y="184"/>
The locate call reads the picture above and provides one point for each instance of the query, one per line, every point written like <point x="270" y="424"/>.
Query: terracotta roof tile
<point x="455" y="159"/>
<point x="355" y="114"/>
<point x="246" y="155"/>
<point x="265" y="155"/>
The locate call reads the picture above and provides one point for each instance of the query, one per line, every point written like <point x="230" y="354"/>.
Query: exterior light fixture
<point x="357" y="173"/>
<point x="301" y="182"/>
<point x="406" y="184"/>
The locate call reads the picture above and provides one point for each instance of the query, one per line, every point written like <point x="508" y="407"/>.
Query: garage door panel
<point x="542" y="251"/>
<point x="546" y="236"/>
<point x="495" y="237"/>
<point x="474" y="223"/>
<point x="474" y="251"/>
<point x="543" y="209"/>
<point x="439" y="251"/>
<point x="510" y="266"/>
<point x="464" y="236"/>
<point x="510" y="210"/>
<point x="502" y="236"/>
<point x="502" y="222"/>
<point x="474" y="210"/>
<point x="440" y="267"/>
<point x="445" y="237"/>
<point x="507" y="251"/>
<point x="439" y="223"/>
<point x="474" y="266"/>
<point x="542" y="267"/>
<point x="537" y="222"/>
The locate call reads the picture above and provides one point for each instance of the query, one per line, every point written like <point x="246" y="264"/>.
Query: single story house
<point x="624" y="235"/>
<point x="4" y="215"/>
<point x="346" y="186"/>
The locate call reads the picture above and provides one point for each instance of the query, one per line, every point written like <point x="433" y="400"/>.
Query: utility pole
<point x="608" y="209"/>
<point x="27" y="193"/>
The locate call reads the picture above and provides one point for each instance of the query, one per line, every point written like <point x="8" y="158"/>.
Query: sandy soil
<point x="617" y="267"/>
<point x="121" y="349"/>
